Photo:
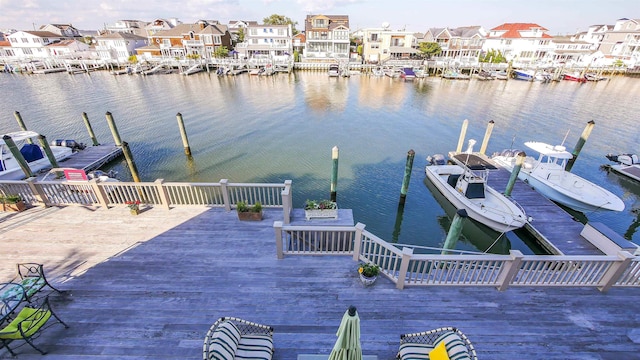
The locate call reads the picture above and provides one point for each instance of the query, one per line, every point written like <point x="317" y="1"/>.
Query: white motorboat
<point x="33" y="154"/>
<point x="548" y="176"/>
<point x="468" y="190"/>
<point x="334" y="70"/>
<point x="627" y="165"/>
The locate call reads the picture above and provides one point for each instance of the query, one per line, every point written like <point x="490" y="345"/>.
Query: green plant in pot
<point x="12" y="202"/>
<point x="246" y="212"/>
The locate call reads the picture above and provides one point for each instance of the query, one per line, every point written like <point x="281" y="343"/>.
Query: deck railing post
<point x="101" y="195"/>
<point x="286" y="202"/>
<point x="225" y="194"/>
<point x="162" y="191"/>
<point x="404" y="267"/>
<point x="617" y="268"/>
<point x="509" y="269"/>
<point x="357" y="241"/>
<point x="36" y="189"/>
<point x="277" y="226"/>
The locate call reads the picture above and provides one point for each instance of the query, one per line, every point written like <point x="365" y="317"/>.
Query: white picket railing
<point x="405" y="268"/>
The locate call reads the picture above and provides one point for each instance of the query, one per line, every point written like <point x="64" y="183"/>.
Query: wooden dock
<point x="150" y="286"/>
<point x="556" y="230"/>
<point x="90" y="158"/>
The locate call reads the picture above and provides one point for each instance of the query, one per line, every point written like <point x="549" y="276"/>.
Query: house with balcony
<point x="594" y="35"/>
<point x="237" y="26"/>
<point x="32" y="44"/>
<point x="159" y="25"/>
<point x="267" y="42"/>
<point x="69" y="49"/>
<point x="135" y="27"/>
<point x="568" y="50"/>
<point x="299" y="43"/>
<point x="380" y="45"/>
<point x="197" y="40"/>
<point x="64" y="31"/>
<point x="462" y="45"/>
<point x="119" y="46"/>
<point x="623" y="42"/>
<point x="522" y="43"/>
<point x="327" y="37"/>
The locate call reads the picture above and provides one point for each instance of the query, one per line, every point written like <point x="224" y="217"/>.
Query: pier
<point x="90" y="158"/>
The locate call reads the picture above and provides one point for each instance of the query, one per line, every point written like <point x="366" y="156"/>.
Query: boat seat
<point x="452" y="180"/>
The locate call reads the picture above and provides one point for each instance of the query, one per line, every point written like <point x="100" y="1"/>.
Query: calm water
<point x="269" y="129"/>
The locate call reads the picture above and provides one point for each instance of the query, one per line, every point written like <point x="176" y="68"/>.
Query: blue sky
<point x="558" y="16"/>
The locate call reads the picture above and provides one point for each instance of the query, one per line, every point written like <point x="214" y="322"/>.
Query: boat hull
<point x="14" y="172"/>
<point x="495" y="211"/>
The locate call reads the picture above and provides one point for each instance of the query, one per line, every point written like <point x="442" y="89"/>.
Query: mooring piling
<point x="130" y="163"/>
<point x="454" y="231"/>
<point x="17" y="155"/>
<point x="487" y="136"/>
<point x="463" y="133"/>
<point x="87" y="124"/>
<point x="47" y="150"/>
<point x="114" y="129"/>
<point x="334" y="172"/>
<point x="514" y="173"/>
<point x="183" y="134"/>
<point x="21" y="124"/>
<point x="407" y="175"/>
<point x="583" y="139"/>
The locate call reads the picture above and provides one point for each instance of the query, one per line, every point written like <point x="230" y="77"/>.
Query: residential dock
<point x="150" y="286"/>
<point x="91" y="158"/>
<point x="555" y="229"/>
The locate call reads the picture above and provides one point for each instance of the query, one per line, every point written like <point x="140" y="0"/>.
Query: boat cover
<point x="31" y="152"/>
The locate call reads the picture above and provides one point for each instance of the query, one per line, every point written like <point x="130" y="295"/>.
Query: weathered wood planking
<point x="149" y="287"/>
<point x="92" y="157"/>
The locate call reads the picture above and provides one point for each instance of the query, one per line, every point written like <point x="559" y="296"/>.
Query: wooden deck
<point x="91" y="158"/>
<point x="555" y="229"/>
<point x="149" y="287"/>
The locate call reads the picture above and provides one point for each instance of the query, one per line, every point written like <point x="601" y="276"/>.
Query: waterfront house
<point x="236" y="27"/>
<point x="299" y="43"/>
<point x="65" y="31"/>
<point x="461" y="45"/>
<point x="135" y="27"/>
<point x="197" y="40"/>
<point x="383" y="44"/>
<point x="571" y="51"/>
<point x="119" y="46"/>
<point x="623" y="42"/>
<point x="522" y="43"/>
<point x="327" y="37"/>
<point x="69" y="49"/>
<point x="32" y="44"/>
<point x="267" y="42"/>
<point x="160" y="24"/>
<point x="594" y="35"/>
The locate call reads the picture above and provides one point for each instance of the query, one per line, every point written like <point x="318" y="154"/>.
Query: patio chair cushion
<point x="255" y="346"/>
<point x="29" y="327"/>
<point x="415" y="351"/>
<point x="439" y="352"/>
<point x="32" y="284"/>
<point x="456" y="349"/>
<point x="224" y="341"/>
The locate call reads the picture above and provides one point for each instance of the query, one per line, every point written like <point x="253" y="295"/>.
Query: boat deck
<point x="554" y="228"/>
<point x="150" y="286"/>
<point x="91" y="158"/>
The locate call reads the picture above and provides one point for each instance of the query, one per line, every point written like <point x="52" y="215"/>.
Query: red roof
<point x="512" y="30"/>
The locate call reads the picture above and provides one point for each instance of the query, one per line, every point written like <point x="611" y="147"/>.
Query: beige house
<point x="327" y="37"/>
<point x="382" y="44"/>
<point x="462" y="44"/>
<point x="623" y="42"/>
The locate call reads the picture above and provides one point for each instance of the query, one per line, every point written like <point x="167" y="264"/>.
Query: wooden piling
<point x="47" y="150"/>
<point x="92" y="135"/>
<point x="23" y="127"/>
<point x="407" y="175"/>
<point x="132" y="165"/>
<point x="487" y="136"/>
<point x="463" y="133"/>
<point x="454" y="231"/>
<point x="334" y="172"/>
<point x="114" y="129"/>
<point x="183" y="134"/>
<point x="580" y="144"/>
<point x="514" y="173"/>
<point x="17" y="155"/>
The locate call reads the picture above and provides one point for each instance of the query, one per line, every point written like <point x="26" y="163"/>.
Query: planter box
<point x="321" y="214"/>
<point x="17" y="207"/>
<point x="250" y="216"/>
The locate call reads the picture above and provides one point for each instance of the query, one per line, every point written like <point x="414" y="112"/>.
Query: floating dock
<point x="90" y="158"/>
<point x="556" y="230"/>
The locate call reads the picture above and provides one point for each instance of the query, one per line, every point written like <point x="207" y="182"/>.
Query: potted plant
<point x="368" y="273"/>
<point x="251" y="213"/>
<point x="320" y="209"/>
<point x="12" y="202"/>
<point x="134" y="207"/>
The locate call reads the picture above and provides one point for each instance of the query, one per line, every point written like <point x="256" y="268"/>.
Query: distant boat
<point x="531" y="75"/>
<point x="334" y="70"/>
<point x="407" y="74"/>
<point x="469" y="191"/>
<point x="484" y="75"/>
<point x="33" y="154"/>
<point x="548" y="176"/>
<point x="500" y="75"/>
<point x="455" y="75"/>
<point x="574" y="76"/>
<point x="627" y="165"/>
<point x="594" y="77"/>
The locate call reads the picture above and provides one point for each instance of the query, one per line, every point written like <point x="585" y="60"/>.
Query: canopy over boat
<point x="557" y="151"/>
<point x="22" y="135"/>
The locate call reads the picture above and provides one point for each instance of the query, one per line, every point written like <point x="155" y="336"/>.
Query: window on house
<point x="253" y="32"/>
<point x="25" y="40"/>
<point x="281" y="32"/>
<point x="320" y="23"/>
<point x="27" y="51"/>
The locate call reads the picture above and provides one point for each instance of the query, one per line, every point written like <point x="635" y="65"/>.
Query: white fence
<point x="166" y="194"/>
<point x="405" y="268"/>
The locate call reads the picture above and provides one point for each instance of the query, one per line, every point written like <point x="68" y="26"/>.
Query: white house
<point x="623" y="42"/>
<point x="32" y="44"/>
<point x="69" y="49"/>
<point x="381" y="44"/>
<point x="119" y="46"/>
<point x="66" y="31"/>
<point x="135" y="27"/>
<point x="267" y="42"/>
<point x="523" y="43"/>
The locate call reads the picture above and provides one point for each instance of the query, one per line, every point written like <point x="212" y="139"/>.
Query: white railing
<point x="405" y="268"/>
<point x="170" y="194"/>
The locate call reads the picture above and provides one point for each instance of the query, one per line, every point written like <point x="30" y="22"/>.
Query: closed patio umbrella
<point x="347" y="346"/>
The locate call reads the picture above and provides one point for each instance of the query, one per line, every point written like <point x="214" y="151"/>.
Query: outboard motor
<point x="437" y="159"/>
<point x="624" y="159"/>
<point x="74" y="145"/>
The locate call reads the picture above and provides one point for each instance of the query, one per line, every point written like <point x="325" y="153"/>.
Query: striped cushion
<point x="415" y="351"/>
<point x="224" y="342"/>
<point x="32" y="284"/>
<point x="456" y="348"/>
<point x="253" y="346"/>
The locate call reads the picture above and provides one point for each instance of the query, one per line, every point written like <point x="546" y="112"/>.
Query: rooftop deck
<point x="149" y="286"/>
